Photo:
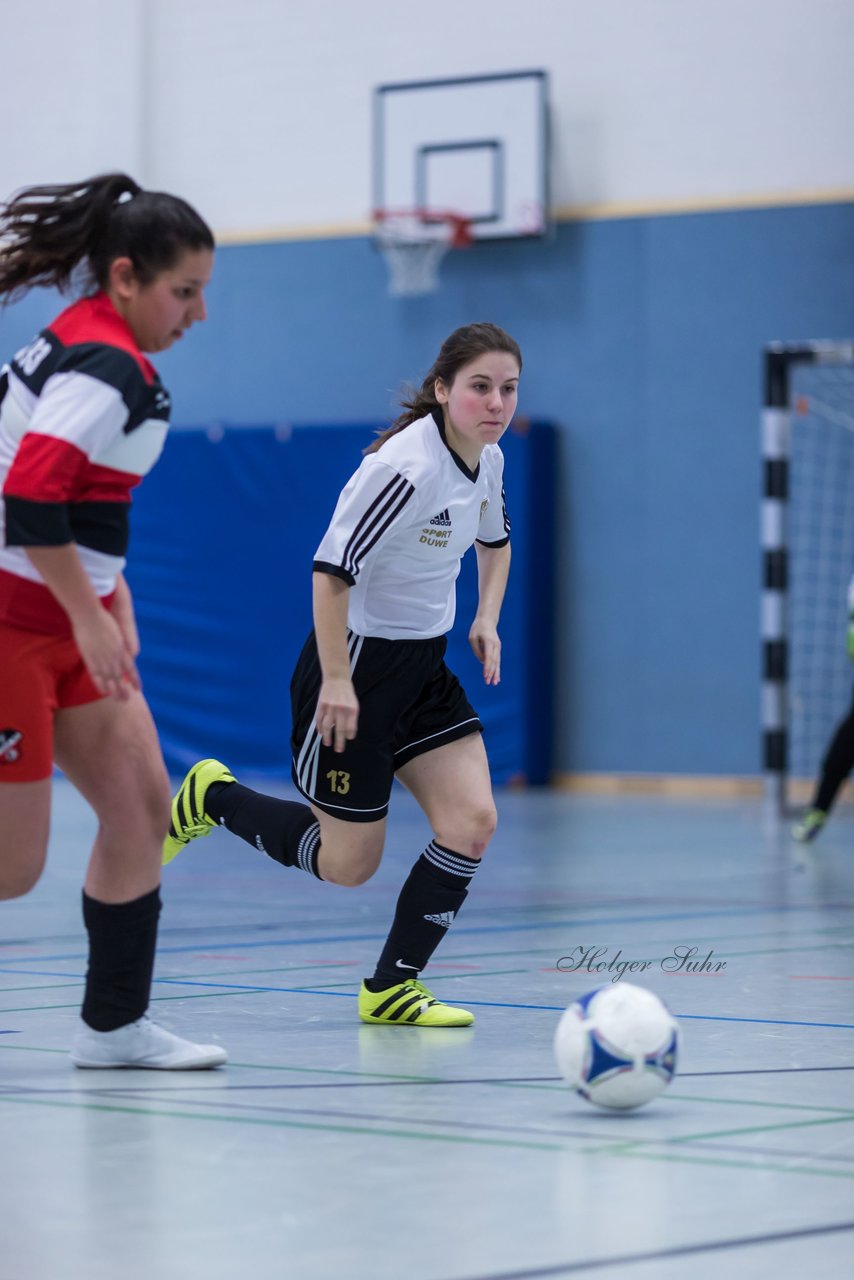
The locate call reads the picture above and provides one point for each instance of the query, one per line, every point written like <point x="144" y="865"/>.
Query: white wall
<point x="260" y="110"/>
<point x="71" y="89"/>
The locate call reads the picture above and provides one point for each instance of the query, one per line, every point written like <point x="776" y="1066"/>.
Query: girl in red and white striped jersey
<point x="83" y="417"/>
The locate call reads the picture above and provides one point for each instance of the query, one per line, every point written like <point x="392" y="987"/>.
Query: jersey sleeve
<point x="74" y="421"/>
<point x="371" y="505"/>
<point x="494" y="527"/>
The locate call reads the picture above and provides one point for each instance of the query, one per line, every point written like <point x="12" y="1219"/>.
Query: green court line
<point x="199" y="995"/>
<point x="764" y="1128"/>
<point x="746" y="1166"/>
<point x="284" y="968"/>
<point x="703" y="938"/>
<point x="841" y="1112"/>
<point x="248" y="990"/>
<point x="30" y="1048"/>
<point x="45" y="986"/>
<point x="625" y="1151"/>
<point x="267" y="1066"/>
<point x="527" y="951"/>
<point x="443" y="977"/>
<point x="457" y="1139"/>
<point x="623" y="1147"/>
<point x="686" y="1097"/>
<point x="748" y="1102"/>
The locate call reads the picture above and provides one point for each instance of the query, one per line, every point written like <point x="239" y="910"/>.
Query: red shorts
<point x="39" y="675"/>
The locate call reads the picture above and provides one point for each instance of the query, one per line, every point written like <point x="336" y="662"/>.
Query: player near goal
<point x="83" y="417"/>
<point x="372" y="698"/>
<point x="838" y="760"/>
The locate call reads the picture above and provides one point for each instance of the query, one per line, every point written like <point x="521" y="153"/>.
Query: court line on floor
<point x="273" y="1117"/>
<point x="233" y="988"/>
<point x="349" y="1115"/>
<point x="34" y="945"/>
<point x="645" y="1146"/>
<point x="380" y="1080"/>
<point x="627" y="1151"/>
<point x="747" y="1165"/>
<point x="622" y="1147"/>
<point x="532" y="1082"/>
<point x="760" y="1071"/>
<point x="362" y="1130"/>
<point x="459" y="931"/>
<point x="38" y="972"/>
<point x="557" y="1270"/>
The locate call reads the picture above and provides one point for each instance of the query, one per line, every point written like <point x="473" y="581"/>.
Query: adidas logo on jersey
<point x="443" y="519"/>
<point x="444" y="918"/>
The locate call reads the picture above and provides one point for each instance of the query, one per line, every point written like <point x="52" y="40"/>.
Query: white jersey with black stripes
<point x="403" y="523"/>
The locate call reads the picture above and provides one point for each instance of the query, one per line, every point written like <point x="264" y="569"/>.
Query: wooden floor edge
<point x="697" y="786"/>
<point x="657" y="784"/>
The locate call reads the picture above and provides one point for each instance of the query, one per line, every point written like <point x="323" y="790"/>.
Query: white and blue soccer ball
<point x="617" y="1046"/>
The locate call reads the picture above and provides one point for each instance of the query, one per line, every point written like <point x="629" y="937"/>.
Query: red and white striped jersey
<point x="83" y="417"/>
<point x="402" y="525"/>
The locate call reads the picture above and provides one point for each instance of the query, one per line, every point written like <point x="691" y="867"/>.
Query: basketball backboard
<point x="476" y="146"/>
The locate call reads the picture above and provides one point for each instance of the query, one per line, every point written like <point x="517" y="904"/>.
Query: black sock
<point x="285" y="830"/>
<point x="122" y="940"/>
<point x="434" y="891"/>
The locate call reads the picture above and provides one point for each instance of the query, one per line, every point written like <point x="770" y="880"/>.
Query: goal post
<point x="807" y="535"/>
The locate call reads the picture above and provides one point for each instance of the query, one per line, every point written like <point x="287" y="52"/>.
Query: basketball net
<point x="414" y="243"/>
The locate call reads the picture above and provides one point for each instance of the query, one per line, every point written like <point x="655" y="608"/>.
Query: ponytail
<point x="463" y="346"/>
<point x="46" y="232"/>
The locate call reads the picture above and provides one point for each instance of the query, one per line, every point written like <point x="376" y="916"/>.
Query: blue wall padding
<point x="642" y="340"/>
<point x="224" y="532"/>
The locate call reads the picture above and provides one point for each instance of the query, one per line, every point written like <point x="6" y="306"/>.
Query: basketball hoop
<point x="414" y="242"/>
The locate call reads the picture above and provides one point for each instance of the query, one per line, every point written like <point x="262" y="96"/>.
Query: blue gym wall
<point x="642" y="341"/>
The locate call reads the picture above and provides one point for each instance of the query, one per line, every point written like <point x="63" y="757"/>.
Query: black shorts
<point x="409" y="703"/>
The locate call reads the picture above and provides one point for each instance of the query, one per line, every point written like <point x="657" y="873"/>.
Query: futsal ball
<point x="617" y="1046"/>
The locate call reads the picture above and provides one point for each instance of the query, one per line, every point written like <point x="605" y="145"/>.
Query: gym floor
<point x="327" y="1149"/>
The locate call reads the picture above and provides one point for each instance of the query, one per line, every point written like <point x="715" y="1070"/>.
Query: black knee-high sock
<point x="122" y="941"/>
<point x="429" y="900"/>
<point x="285" y="830"/>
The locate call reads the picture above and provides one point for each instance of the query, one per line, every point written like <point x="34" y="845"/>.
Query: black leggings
<point x="837" y="764"/>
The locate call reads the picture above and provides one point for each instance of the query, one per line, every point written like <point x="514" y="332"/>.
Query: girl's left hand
<point x="486" y="646"/>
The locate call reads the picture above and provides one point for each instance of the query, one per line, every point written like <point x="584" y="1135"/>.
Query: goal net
<point x="808" y="528"/>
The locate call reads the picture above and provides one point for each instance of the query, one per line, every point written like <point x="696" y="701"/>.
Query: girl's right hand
<point x="337" y="714"/>
<point x="106" y="655"/>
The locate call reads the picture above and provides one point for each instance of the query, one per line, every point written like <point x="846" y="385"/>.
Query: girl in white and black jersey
<point x="372" y="698"/>
<point x="83" y="417"/>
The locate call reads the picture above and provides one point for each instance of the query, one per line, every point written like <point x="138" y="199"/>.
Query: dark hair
<point x="463" y="346"/>
<point x="45" y="232"/>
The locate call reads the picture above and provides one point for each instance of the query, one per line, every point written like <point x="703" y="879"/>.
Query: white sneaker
<point x="142" y="1044"/>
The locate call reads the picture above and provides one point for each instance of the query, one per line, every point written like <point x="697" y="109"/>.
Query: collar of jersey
<point x="439" y="419"/>
<point x="117" y="331"/>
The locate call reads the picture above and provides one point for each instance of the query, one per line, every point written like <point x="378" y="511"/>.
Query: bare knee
<point x="348" y="877"/>
<point x="348" y="861"/>
<point x="469" y="833"/>
<point x="144" y="808"/>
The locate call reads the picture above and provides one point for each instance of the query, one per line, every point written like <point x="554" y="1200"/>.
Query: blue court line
<point x="497" y="1004"/>
<point x="483" y="1004"/>
<point x="459" y="932"/>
